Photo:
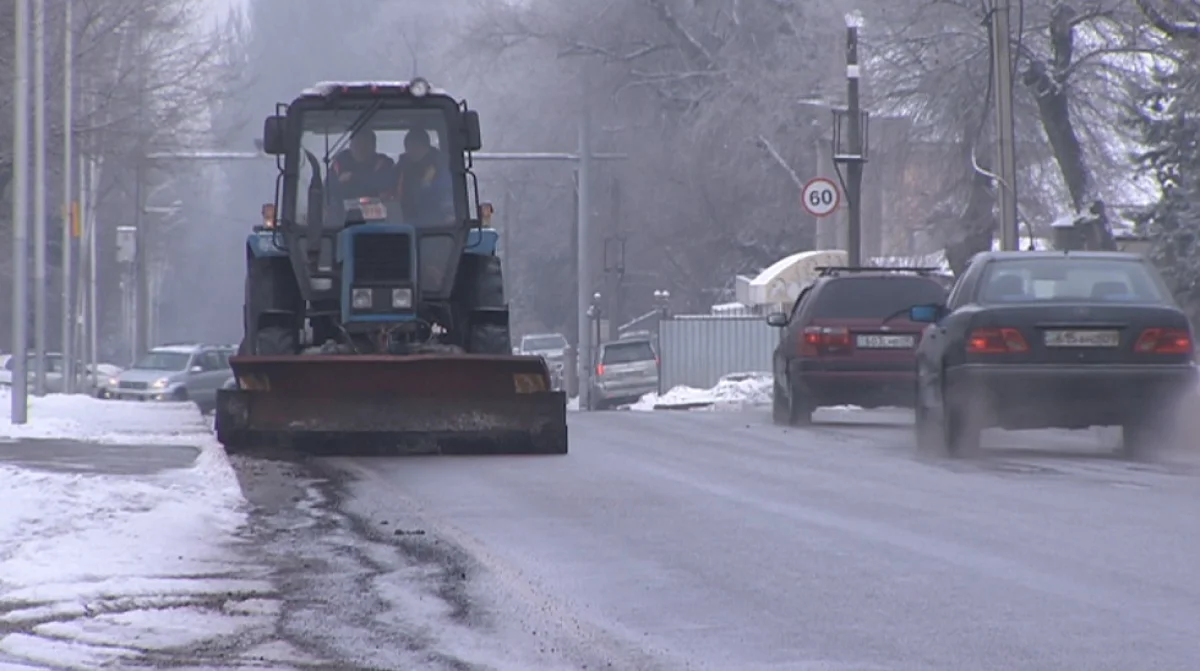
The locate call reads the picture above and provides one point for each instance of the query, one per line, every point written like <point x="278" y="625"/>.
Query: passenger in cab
<point x="360" y="171"/>
<point x="423" y="184"/>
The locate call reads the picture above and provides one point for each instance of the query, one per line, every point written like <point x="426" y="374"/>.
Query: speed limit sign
<point x="820" y="197"/>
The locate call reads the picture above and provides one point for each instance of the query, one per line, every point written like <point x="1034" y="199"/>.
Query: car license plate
<point x="1083" y="338"/>
<point x="885" y="341"/>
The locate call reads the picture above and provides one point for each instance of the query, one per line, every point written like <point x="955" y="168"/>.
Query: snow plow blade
<point x="382" y="405"/>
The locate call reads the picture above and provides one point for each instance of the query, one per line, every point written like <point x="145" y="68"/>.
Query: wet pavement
<point x="72" y="456"/>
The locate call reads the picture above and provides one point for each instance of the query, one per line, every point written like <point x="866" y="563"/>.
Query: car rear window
<point x="875" y="297"/>
<point x="1065" y="279"/>
<point x="628" y="352"/>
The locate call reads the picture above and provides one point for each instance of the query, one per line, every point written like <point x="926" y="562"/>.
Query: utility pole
<point x="584" y="268"/>
<point x="39" y="197"/>
<point x="68" y="225"/>
<point x="1005" y="140"/>
<point x="20" y="216"/>
<point x="141" y="266"/>
<point x="855" y="167"/>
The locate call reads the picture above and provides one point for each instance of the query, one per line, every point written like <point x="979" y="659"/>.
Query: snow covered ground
<point x="99" y="568"/>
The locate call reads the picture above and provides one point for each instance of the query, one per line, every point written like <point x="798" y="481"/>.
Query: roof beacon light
<point x="419" y="88"/>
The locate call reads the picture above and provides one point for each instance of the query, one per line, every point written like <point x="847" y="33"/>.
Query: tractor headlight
<point x="360" y="299"/>
<point x="402" y="298"/>
<point x="418" y="87"/>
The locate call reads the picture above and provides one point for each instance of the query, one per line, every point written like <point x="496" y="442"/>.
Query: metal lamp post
<point x="585" y="381"/>
<point x="662" y="301"/>
<point x="853" y="151"/>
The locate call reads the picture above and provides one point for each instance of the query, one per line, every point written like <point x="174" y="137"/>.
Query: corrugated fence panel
<point x="697" y="350"/>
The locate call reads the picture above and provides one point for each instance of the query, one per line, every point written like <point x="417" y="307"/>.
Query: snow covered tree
<point x="1170" y="129"/>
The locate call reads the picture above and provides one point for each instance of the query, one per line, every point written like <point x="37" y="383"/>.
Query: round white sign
<point x="820" y="197"/>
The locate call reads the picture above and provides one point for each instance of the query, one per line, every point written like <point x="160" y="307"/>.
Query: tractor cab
<point x="376" y="202"/>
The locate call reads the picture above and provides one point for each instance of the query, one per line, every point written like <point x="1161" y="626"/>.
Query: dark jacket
<point x="423" y="188"/>
<point x="369" y="179"/>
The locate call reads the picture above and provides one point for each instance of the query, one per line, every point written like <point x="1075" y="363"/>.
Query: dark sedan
<point x="1032" y="340"/>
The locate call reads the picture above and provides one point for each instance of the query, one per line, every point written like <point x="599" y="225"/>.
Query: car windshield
<point x="628" y="352"/>
<point x="415" y="186"/>
<point x="875" y="297"/>
<point x="164" y="361"/>
<point x="537" y="343"/>
<point x="1065" y="279"/>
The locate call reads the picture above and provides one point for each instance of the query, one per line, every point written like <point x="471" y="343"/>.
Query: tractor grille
<point x="382" y="257"/>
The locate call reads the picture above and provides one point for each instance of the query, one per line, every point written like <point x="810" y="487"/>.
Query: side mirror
<point x="777" y="319"/>
<point x="925" y="314"/>
<point x="472" y="139"/>
<point x="273" y="134"/>
<point x="196" y="369"/>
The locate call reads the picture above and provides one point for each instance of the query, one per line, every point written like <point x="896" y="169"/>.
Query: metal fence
<point x="697" y="350"/>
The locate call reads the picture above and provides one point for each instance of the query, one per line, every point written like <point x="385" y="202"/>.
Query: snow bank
<point x="91" y="563"/>
<point x="734" y="391"/>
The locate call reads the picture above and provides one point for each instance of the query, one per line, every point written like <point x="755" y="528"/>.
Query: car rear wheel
<point x="926" y="432"/>
<point x="961" y="431"/>
<point x="798" y="409"/>
<point x="1140" y="436"/>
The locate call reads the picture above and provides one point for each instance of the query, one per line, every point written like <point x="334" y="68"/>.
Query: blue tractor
<point x="375" y="319"/>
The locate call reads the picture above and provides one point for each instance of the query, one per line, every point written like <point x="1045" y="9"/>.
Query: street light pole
<point x="39" y="197"/>
<point x="1006" y="190"/>
<point x="68" y="221"/>
<point x="141" y="272"/>
<point x="855" y="168"/>
<point x="19" y="413"/>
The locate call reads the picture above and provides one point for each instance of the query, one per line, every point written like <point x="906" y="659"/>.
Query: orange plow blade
<point x="383" y="405"/>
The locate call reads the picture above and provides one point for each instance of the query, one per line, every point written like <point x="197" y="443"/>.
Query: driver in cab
<point x="360" y="171"/>
<point x="422" y="183"/>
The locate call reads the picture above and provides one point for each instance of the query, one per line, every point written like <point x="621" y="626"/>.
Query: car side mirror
<point x="926" y="314"/>
<point x="777" y="319"/>
<point x="196" y="369"/>
<point x="273" y="135"/>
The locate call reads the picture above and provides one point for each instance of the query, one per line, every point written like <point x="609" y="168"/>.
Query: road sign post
<point x="820" y="197"/>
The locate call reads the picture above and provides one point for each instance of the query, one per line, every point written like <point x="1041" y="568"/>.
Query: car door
<point x="940" y="335"/>
<point x="203" y="384"/>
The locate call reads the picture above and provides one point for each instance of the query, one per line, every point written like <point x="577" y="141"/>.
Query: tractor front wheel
<point x="276" y="340"/>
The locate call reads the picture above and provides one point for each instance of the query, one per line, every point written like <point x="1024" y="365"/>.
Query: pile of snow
<point x="733" y="391"/>
<point x="97" y="567"/>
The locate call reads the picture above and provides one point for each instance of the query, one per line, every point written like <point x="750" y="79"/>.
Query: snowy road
<point x="715" y="540"/>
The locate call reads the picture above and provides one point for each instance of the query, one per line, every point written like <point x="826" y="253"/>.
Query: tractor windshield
<point x="399" y="156"/>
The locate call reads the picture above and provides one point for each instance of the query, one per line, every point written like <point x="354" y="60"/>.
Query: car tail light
<point x="996" y="341"/>
<point x="599" y="369"/>
<point x="1164" y="341"/>
<point x="819" y="340"/>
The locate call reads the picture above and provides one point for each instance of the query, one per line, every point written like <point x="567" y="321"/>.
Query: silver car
<point x="175" y="373"/>
<point x="625" y="371"/>
<point x="551" y="347"/>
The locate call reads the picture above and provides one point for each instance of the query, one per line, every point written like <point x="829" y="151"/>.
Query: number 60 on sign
<point x="820" y="197"/>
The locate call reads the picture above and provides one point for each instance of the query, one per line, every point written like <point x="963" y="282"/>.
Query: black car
<point x="848" y="341"/>
<point x="1033" y="340"/>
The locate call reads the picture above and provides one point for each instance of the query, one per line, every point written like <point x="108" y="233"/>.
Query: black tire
<point x="489" y="339"/>
<point x="180" y="394"/>
<point x="800" y="409"/>
<point x="960" y="431"/>
<point x="779" y="408"/>
<point x="276" y="340"/>
<point x="927" y="434"/>
<point x="1145" y="435"/>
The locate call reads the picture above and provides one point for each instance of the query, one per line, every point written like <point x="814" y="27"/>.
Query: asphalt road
<point x="716" y="540"/>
